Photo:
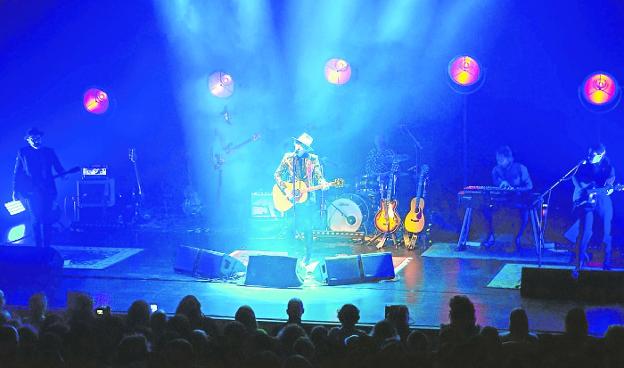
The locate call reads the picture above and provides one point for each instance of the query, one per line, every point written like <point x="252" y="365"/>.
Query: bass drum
<point x="349" y="212"/>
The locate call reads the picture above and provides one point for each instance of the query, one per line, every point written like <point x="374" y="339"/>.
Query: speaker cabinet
<point x="274" y="271"/>
<point x="377" y="266"/>
<point x="342" y="270"/>
<point x="206" y="263"/>
<point x="186" y="259"/>
<point x="26" y="264"/>
<point x="602" y="287"/>
<point x="212" y="265"/>
<point x="548" y="283"/>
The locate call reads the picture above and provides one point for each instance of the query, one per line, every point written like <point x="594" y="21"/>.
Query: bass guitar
<point x="284" y="199"/>
<point x="415" y="218"/>
<point x="387" y="220"/>
<point x="219" y="159"/>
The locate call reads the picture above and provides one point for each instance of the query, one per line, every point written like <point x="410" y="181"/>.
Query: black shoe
<point x="488" y="241"/>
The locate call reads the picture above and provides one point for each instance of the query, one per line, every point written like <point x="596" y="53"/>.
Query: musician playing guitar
<point x="34" y="183"/>
<point x="596" y="172"/>
<point x="511" y="175"/>
<point x="302" y="165"/>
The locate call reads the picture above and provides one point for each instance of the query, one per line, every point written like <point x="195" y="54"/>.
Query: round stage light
<point x="221" y="84"/>
<point x="464" y="71"/>
<point x="599" y="89"/>
<point x="337" y="71"/>
<point x="95" y="101"/>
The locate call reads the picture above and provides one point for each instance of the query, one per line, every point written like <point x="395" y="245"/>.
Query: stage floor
<point x="425" y="285"/>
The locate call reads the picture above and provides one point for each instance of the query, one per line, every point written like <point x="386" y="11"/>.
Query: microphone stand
<point x="543" y="215"/>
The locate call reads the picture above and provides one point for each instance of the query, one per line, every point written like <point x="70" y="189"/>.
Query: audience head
<point x="417" y="342"/>
<point x="296" y="361"/>
<point x="9" y="341"/>
<point x="289" y="334"/>
<point x="158" y="321"/>
<point x="518" y="322"/>
<point x="349" y="315"/>
<point x="132" y="349"/>
<point x="180" y="325"/>
<point x="304" y="347"/>
<point x="191" y="308"/>
<point x="234" y="334"/>
<point x="80" y="308"/>
<point x="382" y="331"/>
<point x="247" y="317"/>
<point x="2" y="300"/>
<point x="138" y="314"/>
<point x="461" y="311"/>
<point x="179" y="353"/>
<point x="38" y="305"/>
<point x="295" y="309"/>
<point x="576" y="323"/>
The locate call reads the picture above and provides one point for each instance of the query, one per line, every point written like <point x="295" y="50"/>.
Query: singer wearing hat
<point x="302" y="165"/>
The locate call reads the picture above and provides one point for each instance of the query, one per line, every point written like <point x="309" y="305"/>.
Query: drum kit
<point x="355" y="211"/>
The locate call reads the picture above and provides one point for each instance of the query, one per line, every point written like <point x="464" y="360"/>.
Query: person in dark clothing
<point x="34" y="182"/>
<point x="593" y="183"/>
<point x="508" y="174"/>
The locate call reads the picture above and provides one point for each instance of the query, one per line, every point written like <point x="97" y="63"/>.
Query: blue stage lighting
<point x="16" y="233"/>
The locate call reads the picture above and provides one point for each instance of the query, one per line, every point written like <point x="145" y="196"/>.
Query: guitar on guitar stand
<point x="415" y="222"/>
<point x="387" y="220"/>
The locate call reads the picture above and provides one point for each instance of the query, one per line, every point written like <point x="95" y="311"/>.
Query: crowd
<point x="141" y="338"/>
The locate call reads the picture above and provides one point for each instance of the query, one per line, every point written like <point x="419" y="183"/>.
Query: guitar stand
<point x="382" y="238"/>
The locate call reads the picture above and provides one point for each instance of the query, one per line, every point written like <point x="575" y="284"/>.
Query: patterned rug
<point x="448" y="250"/>
<point x="93" y="258"/>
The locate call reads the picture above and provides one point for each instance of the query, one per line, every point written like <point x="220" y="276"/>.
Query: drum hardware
<point x="347" y="236"/>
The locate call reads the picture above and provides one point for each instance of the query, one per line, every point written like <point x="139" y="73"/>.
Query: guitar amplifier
<point x="95" y="193"/>
<point x="262" y="206"/>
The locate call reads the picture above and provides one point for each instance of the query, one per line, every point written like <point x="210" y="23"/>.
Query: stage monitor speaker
<point x="377" y="266"/>
<point x="342" y="270"/>
<point x="212" y="265"/>
<point x="548" y="283"/>
<point x="26" y="264"/>
<point x="602" y="287"/>
<point x="273" y="271"/>
<point x="186" y="259"/>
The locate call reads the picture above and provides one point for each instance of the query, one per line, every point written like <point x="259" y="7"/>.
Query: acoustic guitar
<point x="297" y="193"/>
<point x="387" y="220"/>
<point x="415" y="218"/>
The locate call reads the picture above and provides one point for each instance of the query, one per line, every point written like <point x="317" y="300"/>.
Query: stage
<point x="140" y="266"/>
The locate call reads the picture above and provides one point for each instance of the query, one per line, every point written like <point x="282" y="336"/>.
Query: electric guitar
<point x="415" y="218"/>
<point x="137" y="193"/>
<point x="387" y="220"/>
<point x="297" y="193"/>
<point x="219" y="159"/>
<point x="25" y="186"/>
<point x="589" y="197"/>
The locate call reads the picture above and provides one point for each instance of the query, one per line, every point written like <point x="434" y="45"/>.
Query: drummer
<point x="380" y="157"/>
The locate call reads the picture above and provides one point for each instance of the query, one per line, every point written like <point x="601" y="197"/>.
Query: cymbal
<point x="400" y="158"/>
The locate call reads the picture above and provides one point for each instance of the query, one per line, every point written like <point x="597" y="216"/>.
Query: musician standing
<point x="594" y="173"/>
<point x="508" y="174"/>
<point x="34" y="182"/>
<point x="303" y="165"/>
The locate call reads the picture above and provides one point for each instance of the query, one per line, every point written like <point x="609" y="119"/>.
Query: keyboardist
<point x="508" y="174"/>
